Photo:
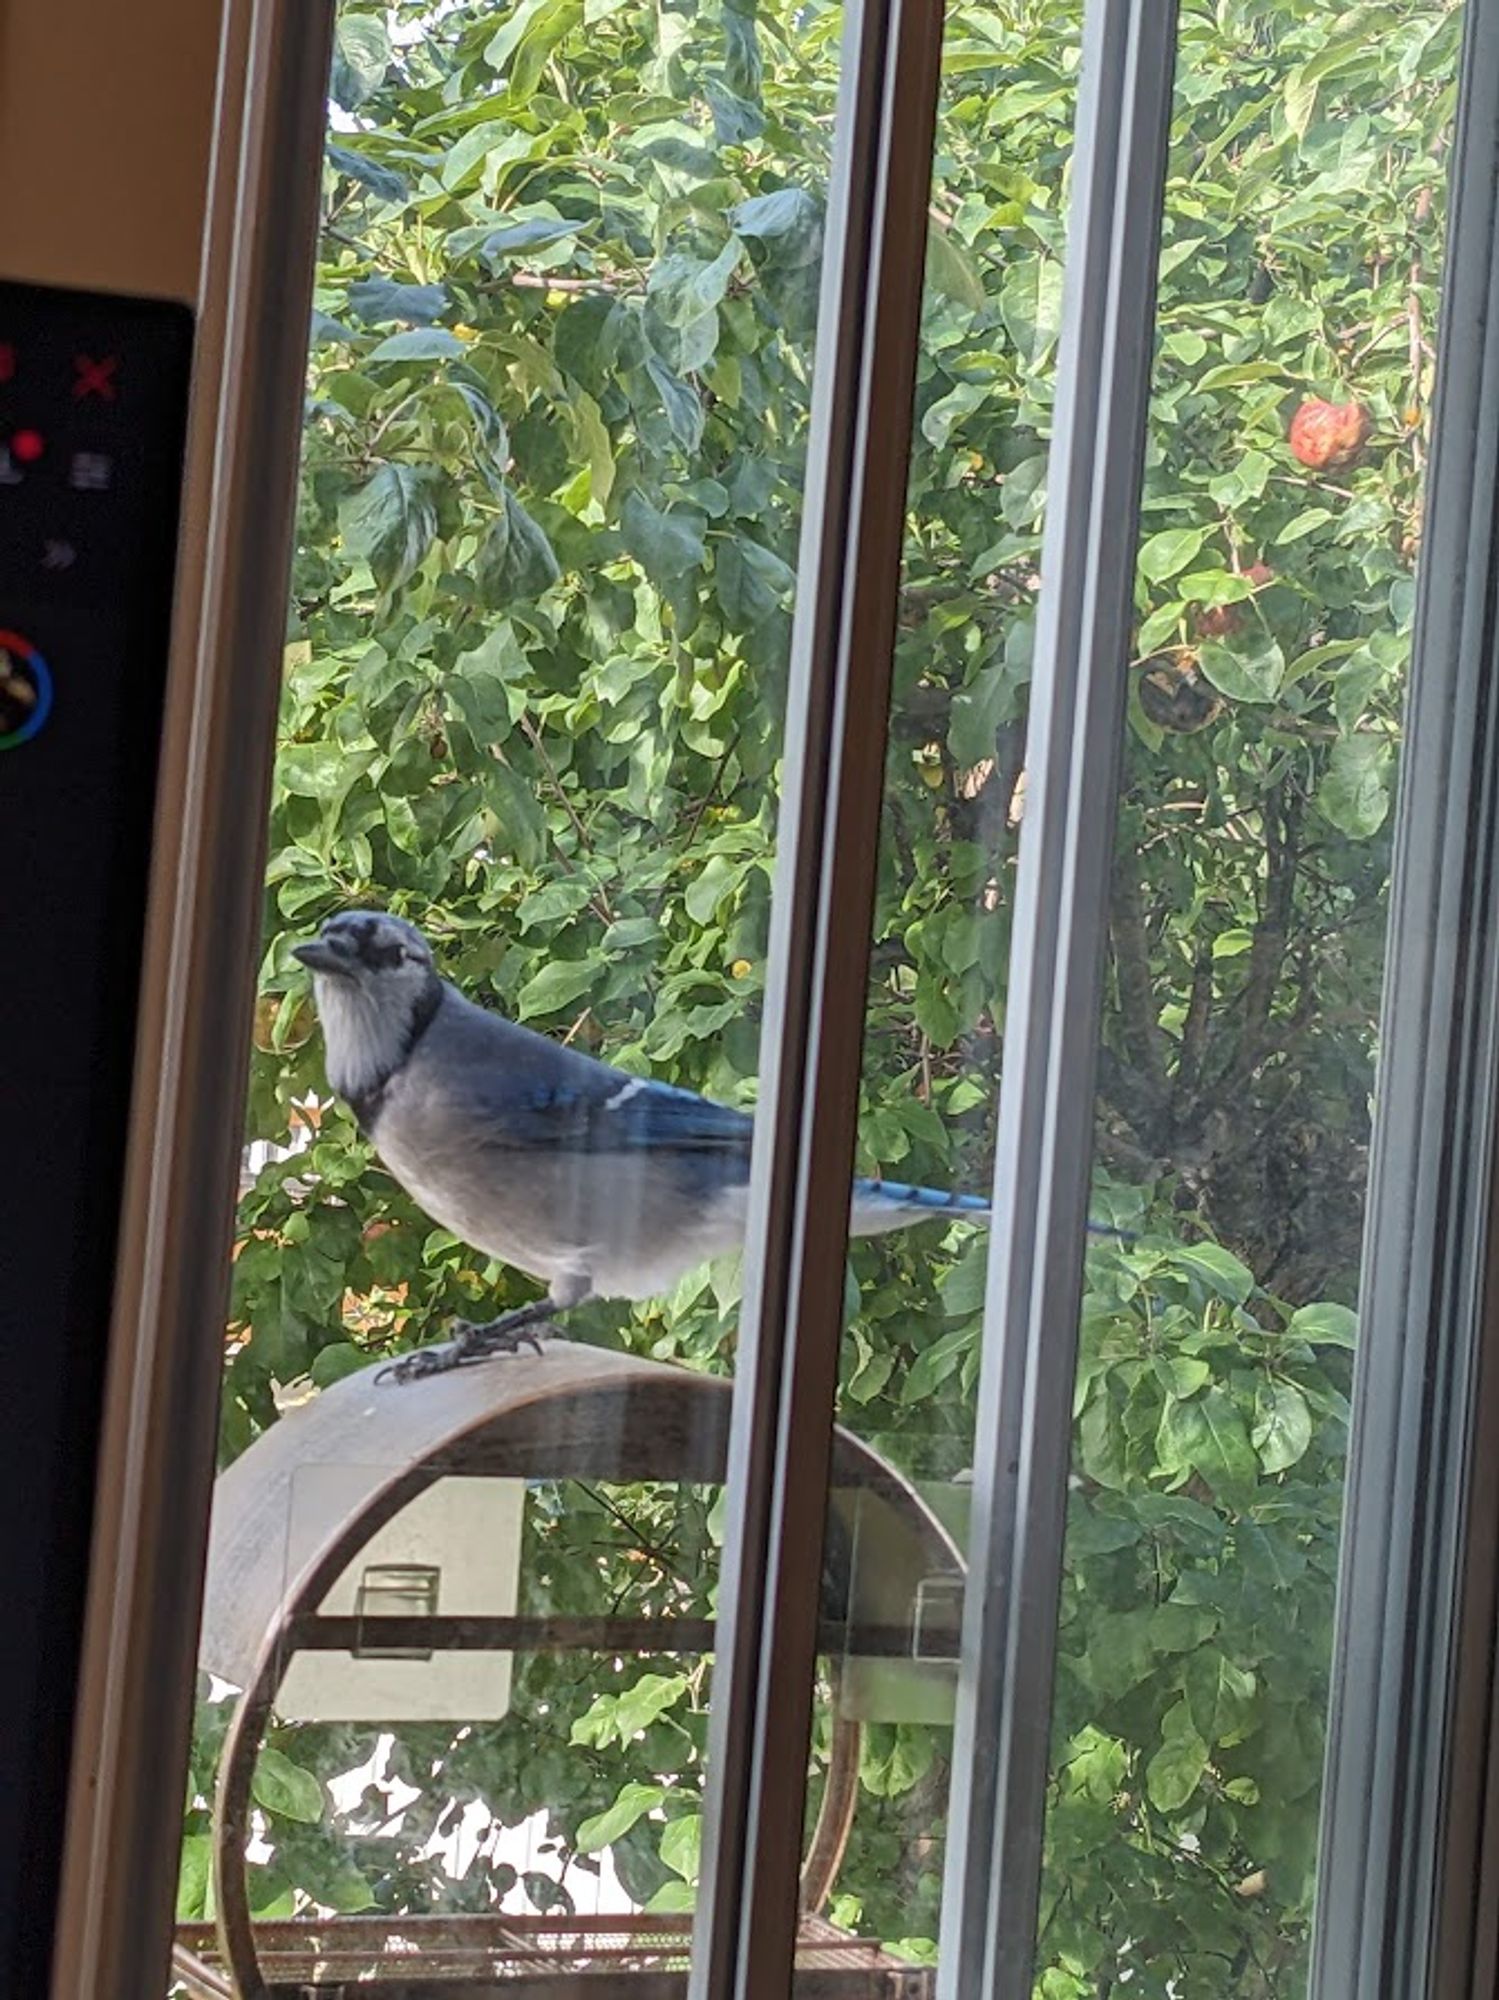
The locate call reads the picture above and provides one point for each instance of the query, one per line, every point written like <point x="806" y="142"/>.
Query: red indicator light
<point x="95" y="378"/>
<point x="27" y="446"/>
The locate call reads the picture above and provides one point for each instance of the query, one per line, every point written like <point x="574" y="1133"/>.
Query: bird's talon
<point x="416" y="1367"/>
<point x="472" y="1341"/>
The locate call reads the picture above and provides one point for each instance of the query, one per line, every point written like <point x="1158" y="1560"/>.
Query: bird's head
<point x="375" y="986"/>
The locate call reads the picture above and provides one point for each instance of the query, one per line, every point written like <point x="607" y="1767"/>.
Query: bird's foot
<point x="472" y="1341"/>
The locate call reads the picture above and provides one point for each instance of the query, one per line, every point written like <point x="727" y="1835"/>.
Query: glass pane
<point x="1282" y="519"/>
<point x="1282" y="522"/>
<point x="954" y="797"/>
<point x="555" y="436"/>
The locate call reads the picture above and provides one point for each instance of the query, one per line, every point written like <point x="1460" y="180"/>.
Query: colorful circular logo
<point x="25" y="690"/>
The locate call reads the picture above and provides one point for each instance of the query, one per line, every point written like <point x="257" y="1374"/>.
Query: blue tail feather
<point x="902" y="1194"/>
<point x="943" y="1201"/>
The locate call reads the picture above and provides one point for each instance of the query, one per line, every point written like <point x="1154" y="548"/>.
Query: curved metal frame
<point x="473" y="1448"/>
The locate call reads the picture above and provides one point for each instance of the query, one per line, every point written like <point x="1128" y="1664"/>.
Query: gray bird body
<point x="608" y="1224"/>
<point x="597" y="1183"/>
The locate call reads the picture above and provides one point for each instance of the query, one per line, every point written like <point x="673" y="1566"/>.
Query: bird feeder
<point x="344" y="1539"/>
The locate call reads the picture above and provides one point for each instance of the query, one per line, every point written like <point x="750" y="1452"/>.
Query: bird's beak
<point x="320" y="956"/>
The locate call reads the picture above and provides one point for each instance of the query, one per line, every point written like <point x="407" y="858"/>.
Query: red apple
<point x="1328" y="436"/>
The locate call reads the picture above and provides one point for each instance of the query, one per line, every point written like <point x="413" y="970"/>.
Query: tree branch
<point x="1143" y="1038"/>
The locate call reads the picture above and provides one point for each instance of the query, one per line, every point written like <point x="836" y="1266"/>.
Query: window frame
<point x="822" y="924"/>
<point x="1405" y="1867"/>
<point x="1411" y="1763"/>
<point x="1044" y="1148"/>
<point x="158" y="1430"/>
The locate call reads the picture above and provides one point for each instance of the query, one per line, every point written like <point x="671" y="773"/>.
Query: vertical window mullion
<point x="1044" y="1153"/>
<point x="158" y="1426"/>
<point x="822" y="925"/>
<point x="1398" y="1805"/>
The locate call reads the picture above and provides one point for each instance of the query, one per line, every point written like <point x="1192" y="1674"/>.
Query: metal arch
<point x="571" y="1411"/>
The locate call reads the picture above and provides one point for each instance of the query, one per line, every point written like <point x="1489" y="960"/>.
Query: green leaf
<point x="735" y="120"/>
<point x="1355" y="50"/>
<point x="1304" y="523"/>
<point x="1219" y="1696"/>
<point x="1161" y="627"/>
<point x="665" y="544"/>
<point x="1175" y="1771"/>
<point x="1207" y="1435"/>
<point x="390" y="522"/>
<point x="195" y="1879"/>
<point x="345" y="1890"/>
<point x="591" y="434"/>
<point x="1355" y="789"/>
<point x="684" y="289"/>
<point x="382" y="182"/>
<point x="539" y="231"/>
<point x="560" y="984"/>
<point x="950" y="271"/>
<point x="1030" y="305"/>
<point x="1215" y="586"/>
<point x="1181" y="1374"/>
<point x="625" y="1717"/>
<point x="1219" y="1269"/>
<point x="718" y="877"/>
<point x="1250" y="669"/>
<point x="1168" y="553"/>
<point x="330" y="1364"/>
<point x="962" y="1288"/>
<point x="789" y="220"/>
<point x="936" y="1363"/>
<point x="1324" y="1325"/>
<point x="285" y="1788"/>
<point x="516" y="560"/>
<point x="682" y="1845"/>
<point x="948" y="412"/>
<point x="377" y="300"/>
<point x="681" y="402"/>
<point x="672" y="1899"/>
<point x="419" y="343"/>
<point x="750" y="582"/>
<point x="529" y="34"/>
<point x="632" y="1803"/>
<point x="361" y="57"/>
<point x="1238" y="375"/>
<point x="1282" y="1432"/>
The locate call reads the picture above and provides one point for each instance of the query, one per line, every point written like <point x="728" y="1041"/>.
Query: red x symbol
<point x="94" y="378"/>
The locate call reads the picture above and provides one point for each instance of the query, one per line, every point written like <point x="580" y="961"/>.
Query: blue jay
<point x="597" y="1183"/>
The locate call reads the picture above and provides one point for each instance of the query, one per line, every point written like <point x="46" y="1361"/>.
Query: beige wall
<point x="106" y="110"/>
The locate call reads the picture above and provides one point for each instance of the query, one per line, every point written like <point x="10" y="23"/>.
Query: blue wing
<point x="524" y="1091"/>
<point x="615" y="1113"/>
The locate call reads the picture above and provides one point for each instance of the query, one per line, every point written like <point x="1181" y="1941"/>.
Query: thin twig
<point x="708" y="794"/>
<point x="1142" y="1030"/>
<point x="598" y="899"/>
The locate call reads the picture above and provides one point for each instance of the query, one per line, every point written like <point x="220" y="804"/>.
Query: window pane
<point x="554" y="454"/>
<point x="953" y="805"/>
<point x="1282" y="519"/>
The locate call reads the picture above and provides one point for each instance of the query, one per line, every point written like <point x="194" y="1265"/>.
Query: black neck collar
<point x="367" y="1106"/>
